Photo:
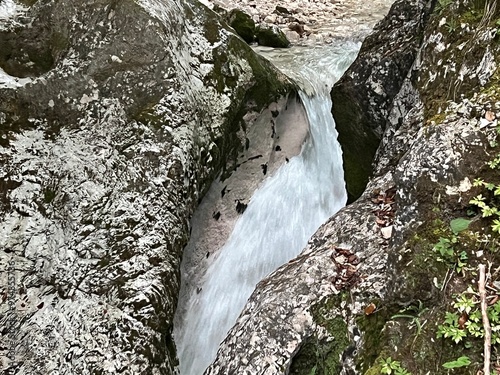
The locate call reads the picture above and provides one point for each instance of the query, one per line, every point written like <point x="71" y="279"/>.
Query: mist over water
<point x="282" y="215"/>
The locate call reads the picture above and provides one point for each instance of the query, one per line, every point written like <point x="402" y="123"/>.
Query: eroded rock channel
<point x="128" y="128"/>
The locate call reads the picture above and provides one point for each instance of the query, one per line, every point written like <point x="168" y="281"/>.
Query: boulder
<point x="112" y="127"/>
<point x="271" y="36"/>
<point x="243" y="24"/>
<point x="297" y="27"/>
<point x="282" y="10"/>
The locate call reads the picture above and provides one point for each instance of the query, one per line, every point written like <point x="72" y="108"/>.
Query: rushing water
<point x="282" y="214"/>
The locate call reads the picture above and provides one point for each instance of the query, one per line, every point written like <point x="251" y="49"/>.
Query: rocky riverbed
<point x="321" y="21"/>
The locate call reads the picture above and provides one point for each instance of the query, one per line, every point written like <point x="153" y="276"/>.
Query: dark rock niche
<point x="362" y="98"/>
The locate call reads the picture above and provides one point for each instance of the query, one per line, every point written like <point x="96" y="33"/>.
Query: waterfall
<point x="282" y="215"/>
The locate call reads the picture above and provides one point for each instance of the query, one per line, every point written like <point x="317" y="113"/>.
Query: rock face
<point x="112" y="126"/>
<point x="361" y="115"/>
<point x="372" y="284"/>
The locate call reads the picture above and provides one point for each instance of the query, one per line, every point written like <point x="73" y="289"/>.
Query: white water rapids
<point x="282" y="215"/>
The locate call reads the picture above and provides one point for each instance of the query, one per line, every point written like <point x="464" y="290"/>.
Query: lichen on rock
<point x="131" y="110"/>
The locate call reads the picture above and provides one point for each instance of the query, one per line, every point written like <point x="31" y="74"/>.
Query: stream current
<point x="282" y="214"/>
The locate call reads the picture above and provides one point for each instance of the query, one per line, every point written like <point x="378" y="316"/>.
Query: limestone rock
<point x="115" y="116"/>
<point x="361" y="115"/>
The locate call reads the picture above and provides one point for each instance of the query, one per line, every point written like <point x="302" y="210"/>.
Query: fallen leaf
<point x="351" y="270"/>
<point x="462" y="320"/>
<point x="353" y="259"/>
<point x="370" y="309"/>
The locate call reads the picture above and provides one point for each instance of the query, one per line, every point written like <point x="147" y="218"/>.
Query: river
<point x="282" y="214"/>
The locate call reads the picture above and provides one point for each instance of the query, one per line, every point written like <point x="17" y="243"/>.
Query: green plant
<point x="466" y="321"/>
<point x="445" y="248"/>
<point x="450" y="329"/>
<point x="389" y="367"/>
<point x="459" y="224"/>
<point x="464" y="304"/>
<point x="443" y="4"/>
<point x="489" y="206"/>
<point x="449" y="254"/>
<point x="414" y="313"/>
<point x="451" y="25"/>
<point x="462" y="361"/>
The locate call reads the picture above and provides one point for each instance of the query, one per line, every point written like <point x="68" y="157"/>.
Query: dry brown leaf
<point x="462" y="320"/>
<point x="370" y="309"/>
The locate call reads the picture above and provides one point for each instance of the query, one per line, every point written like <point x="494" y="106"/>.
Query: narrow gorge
<point x="291" y="204"/>
<point x="173" y="199"/>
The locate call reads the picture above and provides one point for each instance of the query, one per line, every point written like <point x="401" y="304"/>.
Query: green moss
<point x="48" y="195"/>
<point x="471" y="16"/>
<point x="148" y="116"/>
<point x="59" y="42"/>
<point x="374" y="339"/>
<point x="42" y="59"/>
<point x="437" y="119"/>
<point x="322" y="356"/>
<point x="492" y="88"/>
<point x="212" y="29"/>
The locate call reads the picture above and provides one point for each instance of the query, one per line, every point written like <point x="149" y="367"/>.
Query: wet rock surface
<point x="271" y="36"/>
<point x="112" y="126"/>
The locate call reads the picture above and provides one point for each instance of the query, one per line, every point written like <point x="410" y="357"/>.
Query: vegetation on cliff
<point x="431" y="310"/>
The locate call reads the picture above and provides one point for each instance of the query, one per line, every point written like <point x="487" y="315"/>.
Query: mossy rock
<point x="243" y="24"/>
<point x="271" y="36"/>
<point x="322" y="356"/>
